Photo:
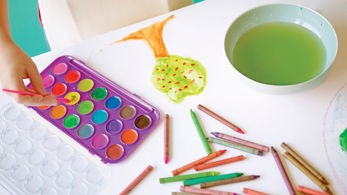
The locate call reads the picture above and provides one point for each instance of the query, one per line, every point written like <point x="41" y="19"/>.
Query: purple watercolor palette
<point x="102" y="116"/>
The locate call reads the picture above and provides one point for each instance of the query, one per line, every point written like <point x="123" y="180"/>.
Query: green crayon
<point x="188" y="176"/>
<point x="190" y="182"/>
<point x="200" y="132"/>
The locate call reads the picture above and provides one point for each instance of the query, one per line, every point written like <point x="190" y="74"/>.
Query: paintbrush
<point x="65" y="100"/>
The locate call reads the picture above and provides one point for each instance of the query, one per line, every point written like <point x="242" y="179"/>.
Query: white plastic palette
<point x="34" y="160"/>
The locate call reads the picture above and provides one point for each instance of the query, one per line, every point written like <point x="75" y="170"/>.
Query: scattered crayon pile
<point x="209" y="179"/>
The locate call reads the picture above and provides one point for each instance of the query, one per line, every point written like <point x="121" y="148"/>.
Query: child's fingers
<point x="36" y="100"/>
<point x="48" y="100"/>
<point x="36" y="80"/>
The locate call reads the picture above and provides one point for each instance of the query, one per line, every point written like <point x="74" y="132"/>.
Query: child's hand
<point x="15" y="65"/>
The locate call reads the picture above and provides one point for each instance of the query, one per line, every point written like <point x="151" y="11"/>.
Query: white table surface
<point x="198" y="32"/>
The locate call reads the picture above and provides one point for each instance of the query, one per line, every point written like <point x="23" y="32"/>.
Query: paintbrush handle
<point x="65" y="100"/>
<point x="18" y="92"/>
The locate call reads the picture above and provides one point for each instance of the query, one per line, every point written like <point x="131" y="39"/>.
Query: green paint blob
<point x="85" y="107"/>
<point x="99" y="93"/>
<point x="71" y="121"/>
<point x="343" y="140"/>
<point x="178" y="77"/>
<point x="279" y="53"/>
<point x="85" y="85"/>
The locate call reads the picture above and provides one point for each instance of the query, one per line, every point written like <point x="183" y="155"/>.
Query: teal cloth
<point x="25" y="27"/>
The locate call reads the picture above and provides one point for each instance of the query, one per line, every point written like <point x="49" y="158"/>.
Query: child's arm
<point x="16" y="65"/>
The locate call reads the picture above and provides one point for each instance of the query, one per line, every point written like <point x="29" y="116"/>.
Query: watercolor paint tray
<point x="36" y="160"/>
<point x="105" y="118"/>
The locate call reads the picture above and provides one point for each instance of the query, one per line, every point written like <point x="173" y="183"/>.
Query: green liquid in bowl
<point x="279" y="53"/>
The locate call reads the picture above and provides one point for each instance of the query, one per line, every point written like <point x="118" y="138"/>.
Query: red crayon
<point x="166" y="139"/>
<point x="220" y="119"/>
<point x="137" y="180"/>
<point x="197" y="162"/>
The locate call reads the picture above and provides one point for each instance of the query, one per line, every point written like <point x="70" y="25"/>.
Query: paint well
<point x="128" y="112"/>
<point x="85" y="131"/>
<point x="72" y="76"/>
<point x="43" y="107"/>
<point x="48" y="80"/>
<point x="85" y="85"/>
<point x="85" y="107"/>
<point x="115" y="152"/>
<point x="114" y="126"/>
<point x="99" y="116"/>
<point x="71" y="121"/>
<point x="60" y="69"/>
<point x="59" y="89"/>
<point x="113" y="102"/>
<point x="99" y="93"/>
<point x="74" y="98"/>
<point x="129" y="136"/>
<point x="100" y="141"/>
<point x="142" y="121"/>
<point x="58" y="112"/>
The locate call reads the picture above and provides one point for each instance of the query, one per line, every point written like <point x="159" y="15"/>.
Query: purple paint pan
<point x="102" y="116"/>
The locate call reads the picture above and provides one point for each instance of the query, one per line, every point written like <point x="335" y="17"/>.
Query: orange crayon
<point x="310" y="191"/>
<point x="197" y="162"/>
<point x="219" y="162"/>
<point x="253" y="192"/>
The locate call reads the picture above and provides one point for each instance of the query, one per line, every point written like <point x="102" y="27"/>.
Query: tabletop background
<point x="198" y="32"/>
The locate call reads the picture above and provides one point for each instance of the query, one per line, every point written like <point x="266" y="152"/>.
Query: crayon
<point x="241" y="141"/>
<point x="219" y="163"/>
<point x="235" y="146"/>
<point x="190" y="182"/>
<point x="187" y="176"/>
<point x="310" y="191"/>
<point x="282" y="171"/>
<point x="183" y="193"/>
<point x="229" y="181"/>
<point x="303" y="169"/>
<point x="220" y="119"/>
<point x="253" y="192"/>
<point x="304" y="162"/>
<point x="137" y="180"/>
<point x="197" y="162"/>
<point x="200" y="132"/>
<point x="167" y="139"/>
<point x="205" y="191"/>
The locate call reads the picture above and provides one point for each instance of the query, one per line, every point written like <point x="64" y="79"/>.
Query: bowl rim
<point x="294" y="86"/>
